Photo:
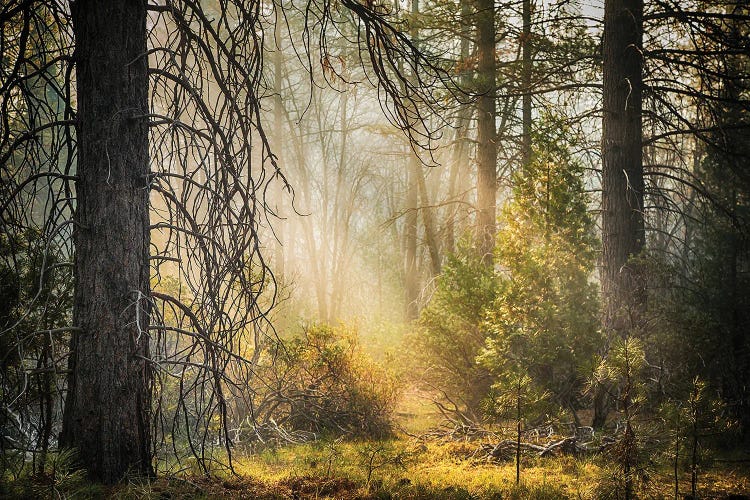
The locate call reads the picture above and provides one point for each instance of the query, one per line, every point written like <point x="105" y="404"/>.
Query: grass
<point x="396" y="468"/>
<point x="401" y="467"/>
<point x="409" y="469"/>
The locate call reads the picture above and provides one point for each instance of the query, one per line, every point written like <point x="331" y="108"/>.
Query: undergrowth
<point x="394" y="468"/>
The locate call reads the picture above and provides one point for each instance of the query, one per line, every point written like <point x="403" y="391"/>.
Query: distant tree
<point x="486" y="113"/>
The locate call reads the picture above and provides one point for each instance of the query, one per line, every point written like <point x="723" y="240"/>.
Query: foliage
<point x="449" y="335"/>
<point x="622" y="373"/>
<point x="326" y="384"/>
<point x="59" y="477"/>
<point x="544" y="320"/>
<point x="35" y="306"/>
<point x="515" y="397"/>
<point x="374" y="456"/>
<point x="700" y="302"/>
<point x="694" y="423"/>
<point x="35" y="293"/>
<point x="534" y="318"/>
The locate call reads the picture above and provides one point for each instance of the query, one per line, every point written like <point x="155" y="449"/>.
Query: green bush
<point x="328" y="385"/>
<point x="449" y="336"/>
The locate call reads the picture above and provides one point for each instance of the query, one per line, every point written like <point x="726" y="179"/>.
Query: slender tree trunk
<point x="486" y="131"/>
<point x="428" y="219"/>
<point x="518" y="432"/>
<point x="694" y="454"/>
<point x="412" y="200"/>
<point x="107" y="407"/>
<point x="526" y="82"/>
<point x="410" y="235"/>
<point x="46" y="403"/>
<point x="278" y="135"/>
<point x="629" y="454"/>
<point x="622" y="175"/>
<point x="460" y="159"/>
<point x="457" y="181"/>
<point x="676" y="470"/>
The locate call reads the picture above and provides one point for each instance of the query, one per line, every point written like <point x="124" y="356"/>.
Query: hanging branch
<point x="211" y="166"/>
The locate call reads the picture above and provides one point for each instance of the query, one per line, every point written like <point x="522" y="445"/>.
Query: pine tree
<point x="544" y="319"/>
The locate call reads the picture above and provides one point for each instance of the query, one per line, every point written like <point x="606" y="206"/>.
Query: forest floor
<point x="411" y="468"/>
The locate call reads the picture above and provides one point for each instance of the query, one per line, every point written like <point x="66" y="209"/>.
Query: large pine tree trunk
<point x="622" y="175"/>
<point x="486" y="130"/>
<point x="107" y="407"/>
<point x="623" y="234"/>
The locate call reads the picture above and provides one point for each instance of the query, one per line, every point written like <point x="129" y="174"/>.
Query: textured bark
<point x="622" y="175"/>
<point x="486" y="131"/>
<point x="107" y="407"/>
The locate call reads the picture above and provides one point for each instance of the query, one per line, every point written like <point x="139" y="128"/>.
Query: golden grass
<point x="402" y="468"/>
<point x="406" y="468"/>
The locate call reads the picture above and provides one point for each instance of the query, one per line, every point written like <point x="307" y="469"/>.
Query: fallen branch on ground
<point x="569" y="446"/>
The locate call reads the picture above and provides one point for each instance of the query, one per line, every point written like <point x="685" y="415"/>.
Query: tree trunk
<point x="623" y="233"/>
<point x="459" y="174"/>
<point x="278" y="136"/>
<point x="107" y="406"/>
<point x="486" y="132"/>
<point x="428" y="218"/>
<point x="526" y="82"/>
<point x="410" y="235"/>
<point x="411" y="271"/>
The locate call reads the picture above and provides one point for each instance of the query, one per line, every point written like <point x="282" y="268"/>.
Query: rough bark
<point x="486" y="131"/>
<point x="107" y="406"/>
<point x="622" y="174"/>
<point x="623" y="233"/>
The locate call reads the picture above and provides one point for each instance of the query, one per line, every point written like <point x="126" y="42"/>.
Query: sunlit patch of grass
<point x="418" y="470"/>
<point x="405" y="468"/>
<point x="486" y="480"/>
<point x="353" y="459"/>
<point x="416" y="413"/>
